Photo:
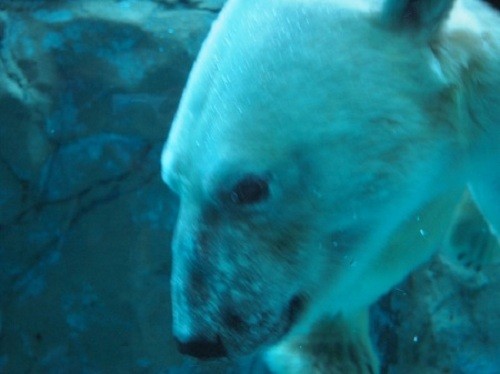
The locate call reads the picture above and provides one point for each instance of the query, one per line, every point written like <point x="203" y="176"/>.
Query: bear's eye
<point x="251" y="189"/>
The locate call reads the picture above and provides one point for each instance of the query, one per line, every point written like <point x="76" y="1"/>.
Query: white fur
<point x="368" y="130"/>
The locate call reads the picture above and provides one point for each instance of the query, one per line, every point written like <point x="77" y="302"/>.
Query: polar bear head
<point x="308" y="131"/>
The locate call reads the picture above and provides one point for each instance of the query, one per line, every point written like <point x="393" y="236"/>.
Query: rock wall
<point x="443" y="318"/>
<point x="87" y="92"/>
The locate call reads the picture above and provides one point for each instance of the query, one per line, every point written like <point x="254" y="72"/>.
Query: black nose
<point x="202" y="348"/>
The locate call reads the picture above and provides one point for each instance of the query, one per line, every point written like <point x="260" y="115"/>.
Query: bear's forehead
<point x="288" y="67"/>
<point x="270" y="80"/>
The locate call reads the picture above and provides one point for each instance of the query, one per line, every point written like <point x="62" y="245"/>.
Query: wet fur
<point x="368" y="120"/>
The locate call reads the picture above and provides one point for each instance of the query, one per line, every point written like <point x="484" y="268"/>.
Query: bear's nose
<point x="202" y="348"/>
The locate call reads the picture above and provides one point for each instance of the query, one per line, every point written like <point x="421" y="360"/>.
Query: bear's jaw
<point x="236" y="337"/>
<point x="290" y="316"/>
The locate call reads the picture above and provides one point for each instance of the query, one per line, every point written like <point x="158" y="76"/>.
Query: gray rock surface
<point x="87" y="92"/>
<point x="443" y="318"/>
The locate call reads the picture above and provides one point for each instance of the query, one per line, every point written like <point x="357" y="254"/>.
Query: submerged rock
<point x="90" y="162"/>
<point x="442" y="319"/>
<point x="87" y="92"/>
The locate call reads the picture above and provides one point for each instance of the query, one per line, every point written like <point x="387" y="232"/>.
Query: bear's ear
<point x="420" y="16"/>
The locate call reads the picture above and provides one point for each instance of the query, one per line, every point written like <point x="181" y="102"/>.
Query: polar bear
<point x="319" y="151"/>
